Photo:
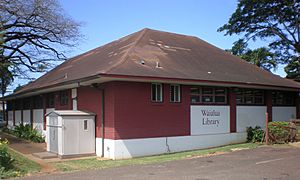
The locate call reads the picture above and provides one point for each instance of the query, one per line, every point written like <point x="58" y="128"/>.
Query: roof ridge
<point x="123" y="59"/>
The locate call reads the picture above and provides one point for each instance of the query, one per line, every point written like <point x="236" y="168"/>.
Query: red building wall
<point x="137" y="117"/>
<point x="129" y="112"/>
<point x="89" y="99"/>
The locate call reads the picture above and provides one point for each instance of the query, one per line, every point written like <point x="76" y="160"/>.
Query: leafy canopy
<point x="261" y="57"/>
<point x="275" y="21"/>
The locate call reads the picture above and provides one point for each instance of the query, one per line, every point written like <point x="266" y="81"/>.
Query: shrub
<point x="279" y="131"/>
<point x="4" y="174"/>
<point x="26" y="132"/>
<point x="6" y="161"/>
<point x="255" y="134"/>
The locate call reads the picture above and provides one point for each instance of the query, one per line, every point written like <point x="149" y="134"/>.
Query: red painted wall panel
<point x="232" y="104"/>
<point x="109" y="110"/>
<point x="89" y="99"/>
<point x="137" y="117"/>
<point x="268" y="97"/>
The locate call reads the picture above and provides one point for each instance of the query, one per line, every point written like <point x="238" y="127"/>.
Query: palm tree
<point x="261" y="57"/>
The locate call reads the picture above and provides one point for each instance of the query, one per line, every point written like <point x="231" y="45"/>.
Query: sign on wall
<point x="210" y="120"/>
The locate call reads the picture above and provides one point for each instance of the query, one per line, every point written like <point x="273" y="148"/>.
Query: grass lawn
<point x="97" y="163"/>
<point x="22" y="166"/>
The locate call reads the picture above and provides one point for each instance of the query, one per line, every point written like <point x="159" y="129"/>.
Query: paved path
<point x="262" y="163"/>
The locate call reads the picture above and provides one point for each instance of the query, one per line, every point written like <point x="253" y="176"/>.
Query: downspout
<point x="102" y="121"/>
<point x="96" y="86"/>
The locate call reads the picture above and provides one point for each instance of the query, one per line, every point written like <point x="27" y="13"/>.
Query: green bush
<point x="6" y="161"/>
<point x="255" y="134"/>
<point x="5" y="174"/>
<point x="26" y="132"/>
<point x="279" y="131"/>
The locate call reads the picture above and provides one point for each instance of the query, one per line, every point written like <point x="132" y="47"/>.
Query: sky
<point x="107" y="20"/>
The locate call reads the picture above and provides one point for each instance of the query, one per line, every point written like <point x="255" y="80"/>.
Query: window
<point x="156" y="92"/>
<point x="249" y="96"/>
<point x="27" y="103"/>
<point x="10" y="106"/>
<point x="50" y="100"/>
<point x="38" y="102"/>
<point x="18" y="104"/>
<point x="208" y="95"/>
<point x="85" y="125"/>
<point x="64" y="98"/>
<point x="175" y="93"/>
<point x="282" y="98"/>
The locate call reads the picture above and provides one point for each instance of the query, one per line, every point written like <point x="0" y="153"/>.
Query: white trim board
<point x="129" y="148"/>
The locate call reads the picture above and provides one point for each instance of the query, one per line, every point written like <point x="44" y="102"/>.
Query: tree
<point x="6" y="76"/>
<point x="293" y="69"/>
<point x="261" y="57"/>
<point x="277" y="21"/>
<point x="35" y="32"/>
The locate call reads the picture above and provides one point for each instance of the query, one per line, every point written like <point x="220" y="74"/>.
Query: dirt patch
<point x="206" y="155"/>
<point x="295" y="144"/>
<point x="238" y="149"/>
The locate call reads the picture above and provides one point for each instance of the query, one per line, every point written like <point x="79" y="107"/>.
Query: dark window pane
<point x="207" y="99"/>
<point x="85" y="125"/>
<point x="258" y="93"/>
<point x="249" y="100"/>
<point x="207" y="90"/>
<point x="153" y="90"/>
<point x="177" y="93"/>
<point x="288" y="100"/>
<point x="50" y="100"/>
<point x="258" y="100"/>
<point x="220" y="99"/>
<point x="239" y="99"/>
<point x="38" y="102"/>
<point x="172" y="93"/>
<point x="64" y="98"/>
<point x="238" y="92"/>
<point x="195" y="99"/>
<point x="219" y="91"/>
<point x="195" y="91"/>
<point x="158" y="98"/>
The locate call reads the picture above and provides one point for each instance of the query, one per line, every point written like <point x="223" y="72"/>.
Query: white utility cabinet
<point x="70" y="132"/>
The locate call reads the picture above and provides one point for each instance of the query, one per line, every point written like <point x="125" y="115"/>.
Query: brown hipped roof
<point x="152" y="53"/>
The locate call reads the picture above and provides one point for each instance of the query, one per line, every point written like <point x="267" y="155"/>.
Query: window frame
<point x="50" y="98"/>
<point x="85" y="125"/>
<point x="64" y="98"/>
<point x="243" y="93"/>
<point x="38" y="102"/>
<point x="177" y="95"/>
<point x="27" y="104"/>
<point x="160" y="98"/>
<point x="284" y="94"/>
<point x="200" y="95"/>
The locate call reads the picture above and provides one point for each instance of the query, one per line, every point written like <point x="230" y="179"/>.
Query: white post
<point x="74" y="98"/>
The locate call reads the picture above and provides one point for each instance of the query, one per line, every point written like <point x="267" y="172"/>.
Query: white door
<point x="53" y="139"/>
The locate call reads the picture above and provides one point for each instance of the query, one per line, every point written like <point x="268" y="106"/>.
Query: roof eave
<point x="101" y="78"/>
